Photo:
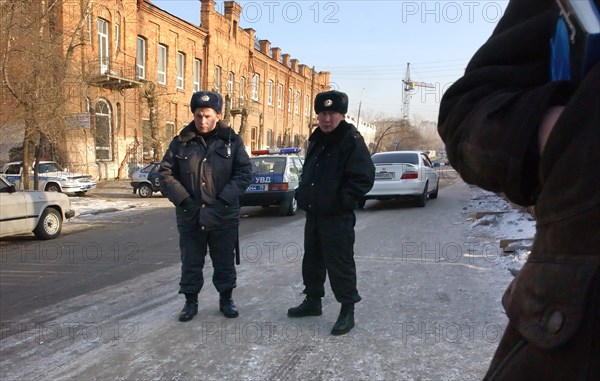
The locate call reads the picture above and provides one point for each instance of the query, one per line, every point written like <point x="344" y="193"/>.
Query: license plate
<point x="384" y="175"/>
<point x="256" y="187"/>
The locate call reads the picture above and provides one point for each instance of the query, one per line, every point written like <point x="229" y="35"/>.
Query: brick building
<point x="140" y="66"/>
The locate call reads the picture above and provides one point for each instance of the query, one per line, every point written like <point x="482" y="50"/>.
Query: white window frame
<point x="255" y="86"/>
<point x="218" y="78"/>
<point x="279" y="96"/>
<point x="289" y="100"/>
<point x="117" y="37"/>
<point x="306" y="102"/>
<point x="197" y="68"/>
<point x="161" y="72"/>
<point x="270" y="93"/>
<point x="230" y="83"/>
<point x="103" y="46"/>
<point x="242" y="88"/>
<point x="297" y="102"/>
<point x="141" y="56"/>
<point x="180" y="83"/>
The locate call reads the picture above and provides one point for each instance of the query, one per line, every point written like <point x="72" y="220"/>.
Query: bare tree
<point x="395" y="135"/>
<point x="37" y="53"/>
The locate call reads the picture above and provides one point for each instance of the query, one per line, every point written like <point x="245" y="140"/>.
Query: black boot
<point x="345" y="322"/>
<point x="226" y="304"/>
<point x="309" y="307"/>
<point x="190" y="309"/>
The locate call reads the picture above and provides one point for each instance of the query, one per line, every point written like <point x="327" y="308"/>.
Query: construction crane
<point x="408" y="88"/>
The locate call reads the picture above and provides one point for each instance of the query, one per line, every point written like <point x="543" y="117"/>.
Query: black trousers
<point x="194" y="244"/>
<point x="329" y="249"/>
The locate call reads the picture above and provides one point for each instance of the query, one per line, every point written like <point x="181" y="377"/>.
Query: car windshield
<point x="396" y="157"/>
<point x="264" y="165"/>
<point x="150" y="167"/>
<point x="50" y="167"/>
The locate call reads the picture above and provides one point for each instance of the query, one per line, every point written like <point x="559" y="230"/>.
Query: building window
<point x="255" y="83"/>
<point x="253" y="138"/>
<point x="197" y="67"/>
<point x="162" y="65"/>
<point x="217" y="79"/>
<point x="279" y="96"/>
<point x="297" y="103"/>
<point x="230" y="82"/>
<point x="147" y="142"/>
<point x="270" y="97"/>
<point x="270" y="138"/>
<point x="140" y="69"/>
<point x="118" y="118"/>
<point x="180" y="70"/>
<point x="89" y="27"/>
<point x="117" y="37"/>
<point x="103" y="138"/>
<point x="242" y="88"/>
<point x="306" y="103"/>
<point x="103" y="46"/>
<point x="289" y="100"/>
<point x="169" y="135"/>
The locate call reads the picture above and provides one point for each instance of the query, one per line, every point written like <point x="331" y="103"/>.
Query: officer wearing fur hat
<point x="203" y="173"/>
<point x="337" y="173"/>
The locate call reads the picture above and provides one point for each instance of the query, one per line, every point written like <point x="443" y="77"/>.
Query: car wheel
<point x="361" y="203"/>
<point x="422" y="200"/>
<point x="52" y="187"/>
<point x="49" y="225"/>
<point x="433" y="195"/>
<point x="145" y="190"/>
<point x="289" y="207"/>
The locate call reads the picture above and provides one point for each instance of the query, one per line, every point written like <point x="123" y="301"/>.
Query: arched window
<point x="103" y="138"/>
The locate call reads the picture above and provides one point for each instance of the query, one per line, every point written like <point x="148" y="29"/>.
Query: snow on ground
<point x="89" y="209"/>
<point x="494" y="219"/>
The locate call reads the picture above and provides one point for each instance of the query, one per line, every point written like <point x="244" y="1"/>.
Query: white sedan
<point x="39" y="212"/>
<point x="403" y="174"/>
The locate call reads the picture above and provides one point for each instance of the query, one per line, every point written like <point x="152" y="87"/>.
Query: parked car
<point x="145" y="180"/>
<point x="275" y="178"/>
<point x="52" y="177"/>
<point x="403" y="174"/>
<point x="39" y="212"/>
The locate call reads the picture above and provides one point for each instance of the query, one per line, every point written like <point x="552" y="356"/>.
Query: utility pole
<point x="409" y="86"/>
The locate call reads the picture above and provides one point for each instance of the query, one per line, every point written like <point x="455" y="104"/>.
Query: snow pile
<point x="96" y="208"/>
<point x="497" y="221"/>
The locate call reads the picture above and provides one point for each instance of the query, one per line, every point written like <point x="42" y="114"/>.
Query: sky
<point x="367" y="45"/>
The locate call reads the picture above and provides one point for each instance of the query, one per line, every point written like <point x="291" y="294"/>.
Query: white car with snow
<point x="52" y="177"/>
<point x="39" y="212"/>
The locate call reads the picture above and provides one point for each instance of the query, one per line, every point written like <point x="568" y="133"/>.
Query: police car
<point x="52" y="177"/>
<point x="145" y="180"/>
<point x="275" y="178"/>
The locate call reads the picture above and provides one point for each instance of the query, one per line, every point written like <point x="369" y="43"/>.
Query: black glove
<point x="190" y="208"/>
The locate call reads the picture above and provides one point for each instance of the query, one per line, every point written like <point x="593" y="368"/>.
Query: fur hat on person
<point x="331" y="101"/>
<point x="206" y="99"/>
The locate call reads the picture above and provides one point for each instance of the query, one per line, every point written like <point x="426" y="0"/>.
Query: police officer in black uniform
<point x="203" y="173"/>
<point x="337" y="173"/>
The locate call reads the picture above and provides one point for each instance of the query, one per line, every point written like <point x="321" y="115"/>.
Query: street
<point x="101" y="301"/>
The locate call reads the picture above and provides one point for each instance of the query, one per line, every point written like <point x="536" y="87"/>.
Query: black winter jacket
<point x="213" y="173"/>
<point x="337" y="173"/>
<point x="489" y="120"/>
